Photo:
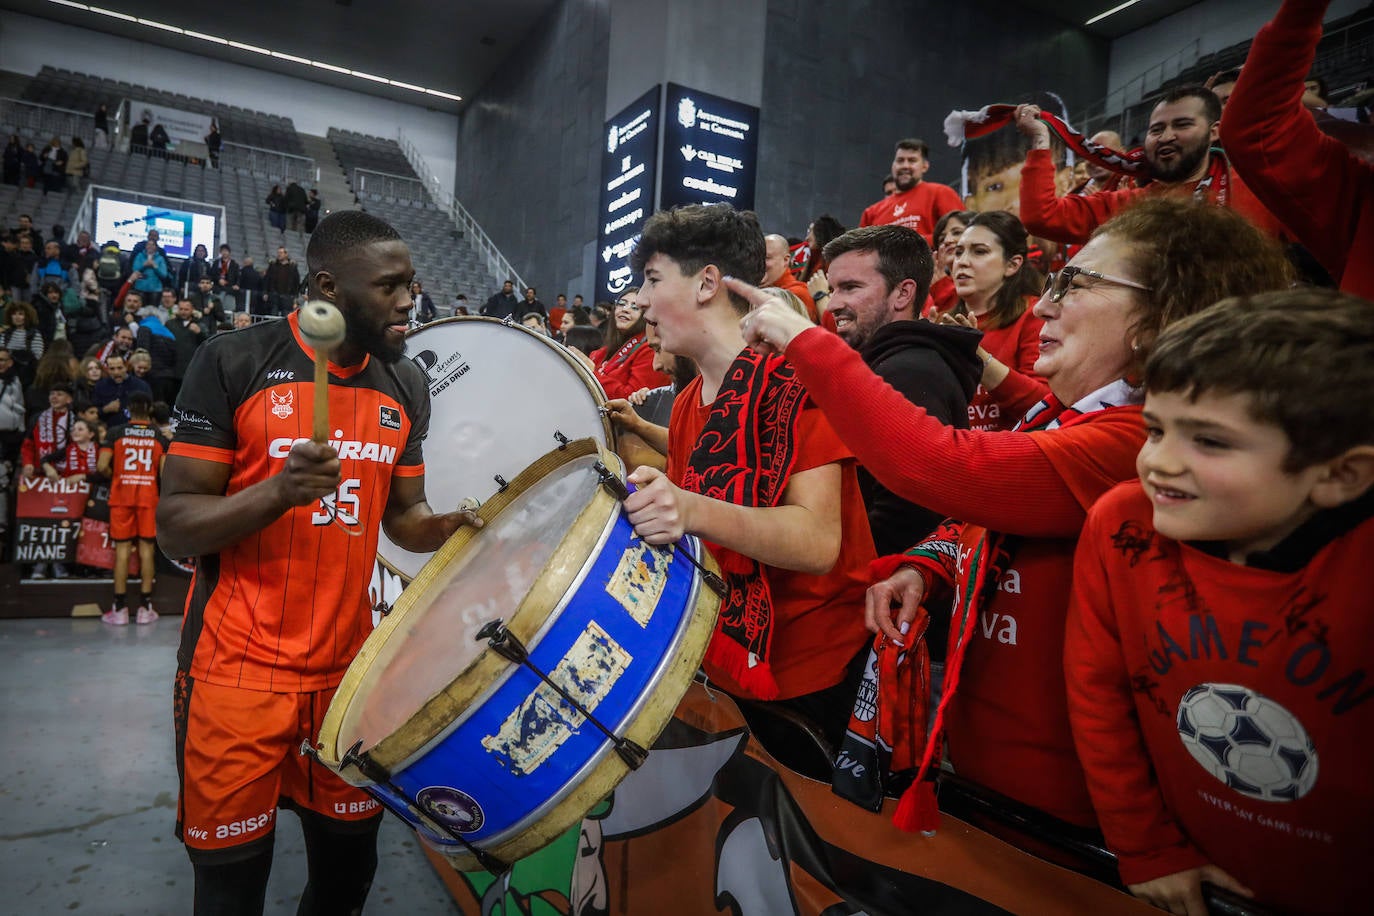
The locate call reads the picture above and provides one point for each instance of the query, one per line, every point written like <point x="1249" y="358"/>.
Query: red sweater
<point x="1073" y="218"/>
<point x="1018" y="346"/>
<point x="919" y="209"/>
<point x="1009" y="727"/>
<point x="1321" y="191"/>
<point x="1165" y="645"/>
<point x="629" y="369"/>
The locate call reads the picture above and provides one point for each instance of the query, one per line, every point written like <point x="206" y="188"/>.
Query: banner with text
<point x="181" y="126"/>
<point x="710" y="150"/>
<point x="628" y="169"/>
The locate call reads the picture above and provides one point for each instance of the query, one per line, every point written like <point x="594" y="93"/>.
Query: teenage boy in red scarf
<point x="758" y="474"/>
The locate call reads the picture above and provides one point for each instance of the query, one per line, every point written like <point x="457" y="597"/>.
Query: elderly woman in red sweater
<point x="1021" y="497"/>
<point x="626" y="363"/>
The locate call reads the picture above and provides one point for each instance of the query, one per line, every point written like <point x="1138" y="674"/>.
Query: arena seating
<point x="80" y="92"/>
<point x="359" y="151"/>
<point x="444" y="260"/>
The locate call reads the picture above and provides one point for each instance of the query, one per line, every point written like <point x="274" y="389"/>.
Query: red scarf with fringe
<point x="961" y="126"/>
<point x="744" y="455"/>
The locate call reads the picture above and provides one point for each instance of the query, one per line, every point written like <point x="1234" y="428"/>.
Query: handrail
<point x="275" y="163"/>
<point x="388" y="184"/>
<point x="49" y="120"/>
<point x="67" y="111"/>
<point x="497" y="264"/>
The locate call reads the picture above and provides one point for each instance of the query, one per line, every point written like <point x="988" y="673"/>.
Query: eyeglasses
<point x="1057" y="283"/>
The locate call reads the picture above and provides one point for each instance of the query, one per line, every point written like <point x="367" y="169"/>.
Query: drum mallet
<point x="322" y="326"/>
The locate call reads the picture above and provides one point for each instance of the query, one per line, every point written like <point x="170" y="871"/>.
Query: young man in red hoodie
<point x="1219" y="629"/>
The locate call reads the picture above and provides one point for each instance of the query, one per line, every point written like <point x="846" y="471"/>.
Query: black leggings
<point x="340" y="864"/>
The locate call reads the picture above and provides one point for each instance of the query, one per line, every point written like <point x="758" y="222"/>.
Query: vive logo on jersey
<point x="279" y="375"/>
<point x="283" y="405"/>
<point x="390" y="418"/>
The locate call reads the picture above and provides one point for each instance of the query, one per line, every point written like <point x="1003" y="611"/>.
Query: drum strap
<point x="744" y="456"/>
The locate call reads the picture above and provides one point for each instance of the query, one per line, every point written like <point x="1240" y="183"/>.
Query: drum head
<point x="499" y="394"/>
<point x="432" y="644"/>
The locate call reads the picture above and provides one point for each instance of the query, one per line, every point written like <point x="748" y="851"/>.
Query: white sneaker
<point x="116" y="617"/>
<point x="146" y="614"/>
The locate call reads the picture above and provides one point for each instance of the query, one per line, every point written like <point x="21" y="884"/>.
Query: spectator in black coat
<point x="296" y="203"/>
<point x="14" y="151"/>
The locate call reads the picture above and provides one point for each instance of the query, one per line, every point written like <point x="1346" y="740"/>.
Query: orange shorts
<point x="129" y="522"/>
<point x="238" y="757"/>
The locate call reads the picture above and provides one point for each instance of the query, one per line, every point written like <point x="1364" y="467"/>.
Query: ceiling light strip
<point x="1114" y="10"/>
<point x="280" y="55"/>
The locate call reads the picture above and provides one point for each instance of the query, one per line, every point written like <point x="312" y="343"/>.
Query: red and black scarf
<point x="744" y="455"/>
<point x="961" y="126"/>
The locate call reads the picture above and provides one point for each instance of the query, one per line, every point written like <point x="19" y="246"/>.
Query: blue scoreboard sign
<point x="628" y="168"/>
<point x="710" y="150"/>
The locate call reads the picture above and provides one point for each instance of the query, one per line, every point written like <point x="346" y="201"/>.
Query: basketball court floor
<point x="88" y="797"/>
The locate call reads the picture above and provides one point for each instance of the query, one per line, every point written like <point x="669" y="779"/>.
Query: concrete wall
<point x="27" y="44"/>
<point x="844" y="82"/>
<point x="1215" y="24"/>
<point x="530" y="144"/>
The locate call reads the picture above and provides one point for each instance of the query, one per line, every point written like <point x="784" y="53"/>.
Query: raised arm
<point x="1310" y="181"/>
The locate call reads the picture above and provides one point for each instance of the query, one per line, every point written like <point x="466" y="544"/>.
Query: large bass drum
<point x="501" y="395"/>
<point x="526" y="670"/>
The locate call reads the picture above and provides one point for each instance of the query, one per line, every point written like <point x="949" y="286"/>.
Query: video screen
<point x="128" y="223"/>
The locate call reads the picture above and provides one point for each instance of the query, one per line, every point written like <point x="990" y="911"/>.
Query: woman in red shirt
<point x="998" y="285"/>
<point x="943" y="296"/>
<point x="626" y="363"/>
<point x="1009" y="561"/>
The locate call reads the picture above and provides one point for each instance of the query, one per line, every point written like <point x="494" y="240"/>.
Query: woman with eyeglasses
<point x="626" y="363"/>
<point x="1021" y="497"/>
<point x="997" y="285"/>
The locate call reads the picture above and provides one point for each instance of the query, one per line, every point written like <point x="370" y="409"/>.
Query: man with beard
<point x="269" y="632"/>
<point x="880" y="277"/>
<point x="917" y="204"/>
<point x="1179" y="160"/>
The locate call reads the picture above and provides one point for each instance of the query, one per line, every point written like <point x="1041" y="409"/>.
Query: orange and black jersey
<point x="136" y="451"/>
<point x="286" y="608"/>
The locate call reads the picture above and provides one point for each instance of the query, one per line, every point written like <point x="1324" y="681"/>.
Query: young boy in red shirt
<point x="756" y="472"/>
<point x="1220" y="625"/>
<point x="132" y="456"/>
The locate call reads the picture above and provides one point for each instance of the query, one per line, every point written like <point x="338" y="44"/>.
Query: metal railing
<point x="85" y="213"/>
<point x="388" y="186"/>
<point x="45" y="122"/>
<point x="1118" y="102"/>
<point x="497" y="264"/>
<point x="269" y="163"/>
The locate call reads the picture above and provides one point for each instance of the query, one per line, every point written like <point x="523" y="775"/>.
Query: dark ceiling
<point x="1077" y="12"/>
<point x="449" y="45"/>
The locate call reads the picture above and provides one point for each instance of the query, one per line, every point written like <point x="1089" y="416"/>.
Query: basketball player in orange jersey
<point x="286" y="531"/>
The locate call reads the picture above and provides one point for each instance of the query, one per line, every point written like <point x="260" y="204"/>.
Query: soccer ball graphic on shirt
<point x="1248" y="742"/>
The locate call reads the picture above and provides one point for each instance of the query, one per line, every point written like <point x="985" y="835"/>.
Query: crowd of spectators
<point x="1045" y="426"/>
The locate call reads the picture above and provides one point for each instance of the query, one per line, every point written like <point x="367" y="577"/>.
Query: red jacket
<point x="629" y="369"/>
<point x="1073" y="218"/>
<point x="1009" y="728"/>
<point x="1223" y="713"/>
<point x="1321" y="191"/>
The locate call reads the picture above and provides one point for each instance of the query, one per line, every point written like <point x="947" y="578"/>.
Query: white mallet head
<point x="322" y="325"/>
